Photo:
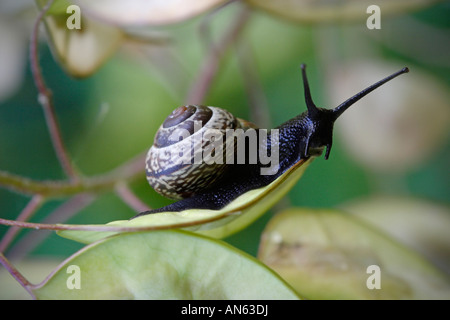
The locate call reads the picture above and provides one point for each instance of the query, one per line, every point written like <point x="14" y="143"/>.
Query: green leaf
<point x="58" y="7"/>
<point x="163" y="265"/>
<point x="327" y="254"/>
<point x="215" y="223"/>
<point x="418" y="223"/>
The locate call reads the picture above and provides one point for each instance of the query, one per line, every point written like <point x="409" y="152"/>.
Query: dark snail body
<point x="303" y="136"/>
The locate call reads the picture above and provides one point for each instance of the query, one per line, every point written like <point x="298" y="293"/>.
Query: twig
<point x="108" y="228"/>
<point x="46" y="101"/>
<point x="258" y="104"/>
<point x="62" y="213"/>
<point x="211" y="65"/>
<point x="125" y="193"/>
<point x="26" y="213"/>
<point x="130" y="170"/>
<point x="205" y="25"/>
<point x="16" y="275"/>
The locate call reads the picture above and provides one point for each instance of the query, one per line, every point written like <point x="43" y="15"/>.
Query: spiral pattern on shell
<point x="173" y="168"/>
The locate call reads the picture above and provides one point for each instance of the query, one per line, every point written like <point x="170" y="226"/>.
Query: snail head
<point x="320" y="121"/>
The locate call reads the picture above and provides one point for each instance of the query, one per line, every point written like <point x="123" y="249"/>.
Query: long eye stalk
<point x="312" y="109"/>
<point x="346" y="104"/>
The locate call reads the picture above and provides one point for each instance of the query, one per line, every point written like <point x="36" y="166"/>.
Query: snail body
<point x="173" y="171"/>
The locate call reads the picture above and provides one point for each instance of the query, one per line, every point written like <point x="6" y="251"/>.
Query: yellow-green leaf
<point x="328" y="254"/>
<point x="421" y="224"/>
<point x="163" y="265"/>
<point x="58" y="6"/>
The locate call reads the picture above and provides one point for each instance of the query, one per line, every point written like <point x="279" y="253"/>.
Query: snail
<point x="175" y="170"/>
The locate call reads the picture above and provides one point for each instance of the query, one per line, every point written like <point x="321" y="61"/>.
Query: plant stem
<point x="259" y="109"/>
<point x="46" y="100"/>
<point x="16" y="275"/>
<point x="108" y="228"/>
<point x="127" y="195"/>
<point x="26" y="213"/>
<point x="130" y="170"/>
<point x="212" y="62"/>
<point x="62" y="213"/>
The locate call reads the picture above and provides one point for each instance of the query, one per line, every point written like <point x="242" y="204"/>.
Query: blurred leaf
<point x="313" y="11"/>
<point x="326" y="254"/>
<point x="12" y="56"/>
<point x="57" y="8"/>
<point x="164" y="265"/>
<point x="215" y="223"/>
<point x="80" y="51"/>
<point x="145" y="12"/>
<point x="422" y="225"/>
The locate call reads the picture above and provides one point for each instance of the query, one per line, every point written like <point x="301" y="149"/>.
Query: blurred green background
<point x="112" y="115"/>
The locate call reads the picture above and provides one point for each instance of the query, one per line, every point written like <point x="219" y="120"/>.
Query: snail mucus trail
<point x="299" y="138"/>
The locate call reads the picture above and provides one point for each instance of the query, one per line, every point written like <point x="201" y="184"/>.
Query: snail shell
<point x="175" y="164"/>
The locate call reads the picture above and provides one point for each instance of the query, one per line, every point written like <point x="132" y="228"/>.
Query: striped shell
<point x="176" y="165"/>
